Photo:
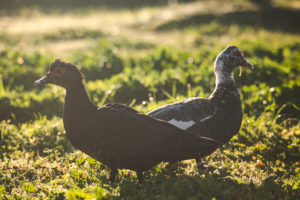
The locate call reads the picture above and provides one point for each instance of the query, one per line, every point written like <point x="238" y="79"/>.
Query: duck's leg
<point x="113" y="174"/>
<point x="140" y="177"/>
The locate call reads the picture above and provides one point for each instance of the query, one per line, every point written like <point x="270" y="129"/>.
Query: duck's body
<point x="118" y="135"/>
<point x="218" y="117"/>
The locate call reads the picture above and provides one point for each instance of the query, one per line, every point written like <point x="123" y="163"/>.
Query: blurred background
<point x="147" y="54"/>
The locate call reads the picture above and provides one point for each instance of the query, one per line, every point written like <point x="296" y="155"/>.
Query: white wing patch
<point x="181" y="124"/>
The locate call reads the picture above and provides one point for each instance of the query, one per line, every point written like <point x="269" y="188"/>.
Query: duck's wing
<point x="135" y="135"/>
<point x="186" y="114"/>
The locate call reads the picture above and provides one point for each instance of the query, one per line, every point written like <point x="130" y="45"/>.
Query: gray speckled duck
<point x="218" y="117"/>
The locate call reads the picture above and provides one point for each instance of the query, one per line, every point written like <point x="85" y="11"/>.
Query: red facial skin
<point x="56" y="73"/>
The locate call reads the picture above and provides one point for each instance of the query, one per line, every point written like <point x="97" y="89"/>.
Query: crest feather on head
<point x="65" y="65"/>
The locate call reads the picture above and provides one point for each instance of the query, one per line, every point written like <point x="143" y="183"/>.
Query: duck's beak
<point x="43" y="81"/>
<point x="245" y="63"/>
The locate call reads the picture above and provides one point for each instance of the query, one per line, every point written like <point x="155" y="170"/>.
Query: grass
<point x="146" y="57"/>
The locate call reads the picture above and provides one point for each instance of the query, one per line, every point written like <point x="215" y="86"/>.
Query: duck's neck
<point x="224" y="79"/>
<point x="225" y="89"/>
<point x="77" y="100"/>
<point x="223" y="72"/>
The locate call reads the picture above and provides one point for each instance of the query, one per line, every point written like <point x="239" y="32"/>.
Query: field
<point x="146" y="56"/>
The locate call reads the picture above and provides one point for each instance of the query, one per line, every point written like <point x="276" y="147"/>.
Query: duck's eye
<point x="236" y="53"/>
<point x="58" y="72"/>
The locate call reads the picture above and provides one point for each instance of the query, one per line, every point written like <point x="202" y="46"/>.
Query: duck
<point x="219" y="116"/>
<point x="118" y="135"/>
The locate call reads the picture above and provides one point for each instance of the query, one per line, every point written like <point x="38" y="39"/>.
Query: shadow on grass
<point x="205" y="186"/>
<point x="11" y="7"/>
<point x="278" y="19"/>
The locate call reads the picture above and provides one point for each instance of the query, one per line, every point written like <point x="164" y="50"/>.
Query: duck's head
<point x="62" y="74"/>
<point x="227" y="61"/>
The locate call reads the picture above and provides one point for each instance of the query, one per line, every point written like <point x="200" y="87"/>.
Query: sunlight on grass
<point x="129" y="24"/>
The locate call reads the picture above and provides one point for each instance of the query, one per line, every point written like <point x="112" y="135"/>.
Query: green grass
<point x="147" y="57"/>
